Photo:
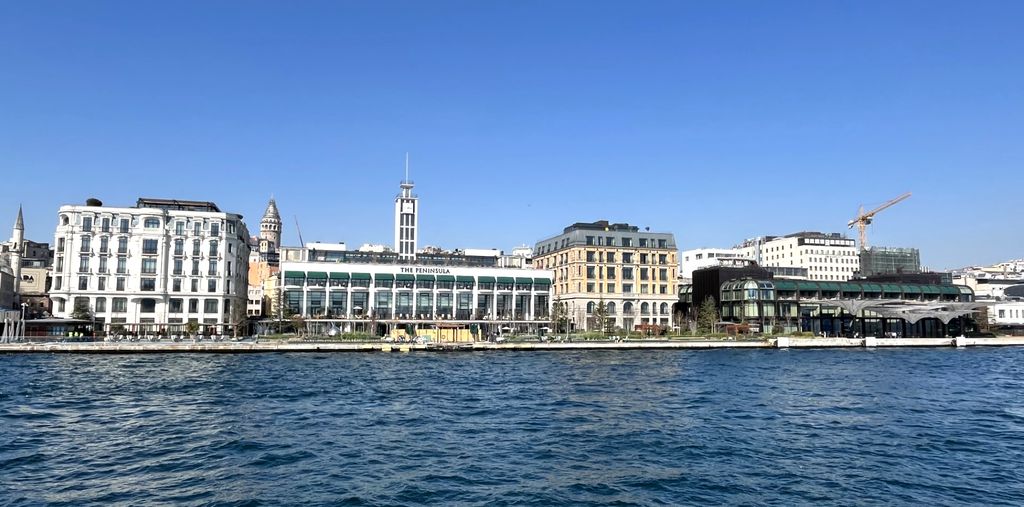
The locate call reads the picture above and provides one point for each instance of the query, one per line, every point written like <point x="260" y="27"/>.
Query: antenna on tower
<point x="407" y="167"/>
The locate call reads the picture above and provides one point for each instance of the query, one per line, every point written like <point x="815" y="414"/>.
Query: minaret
<point x="407" y="209"/>
<point x="270" y="230"/>
<point x="18" y="243"/>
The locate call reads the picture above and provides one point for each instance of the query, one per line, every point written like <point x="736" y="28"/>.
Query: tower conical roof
<point x="19" y="223"/>
<point x="271" y="214"/>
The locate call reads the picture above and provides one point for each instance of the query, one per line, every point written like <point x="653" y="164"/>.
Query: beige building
<point x="633" y="272"/>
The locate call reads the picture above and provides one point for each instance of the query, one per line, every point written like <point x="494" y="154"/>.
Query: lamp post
<point x="24" y="306"/>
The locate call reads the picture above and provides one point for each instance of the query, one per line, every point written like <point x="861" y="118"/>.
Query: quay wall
<point x="276" y="346"/>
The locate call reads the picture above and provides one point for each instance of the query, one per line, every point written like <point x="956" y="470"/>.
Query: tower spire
<point x="19" y="223"/>
<point x="407" y="167"/>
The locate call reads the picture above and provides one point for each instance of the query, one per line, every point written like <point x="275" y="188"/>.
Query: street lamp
<point x="24" y="306"/>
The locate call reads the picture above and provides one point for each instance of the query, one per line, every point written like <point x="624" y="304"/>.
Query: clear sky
<point x="714" y="120"/>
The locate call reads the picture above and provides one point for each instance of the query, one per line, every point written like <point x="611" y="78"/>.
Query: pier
<point x="369" y="346"/>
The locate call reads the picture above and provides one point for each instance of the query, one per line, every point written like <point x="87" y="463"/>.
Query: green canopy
<point x="316" y="275"/>
<point x="405" y="277"/>
<point x="463" y="278"/>
<point x="421" y="278"/>
<point x="339" y="276"/>
<point x="829" y="286"/>
<point x="446" y="278"/>
<point x="542" y="281"/>
<point x="851" y="287"/>
<point x="784" y="284"/>
<point x="360" y="276"/>
<point x="931" y="289"/>
<point x="949" y="289"/>
<point x="294" y="274"/>
<point x="485" y="279"/>
<point x="890" y="287"/>
<point x="871" y="287"/>
<point x="911" y="289"/>
<point x="522" y="279"/>
<point x="506" y="279"/>
<point x="806" y="286"/>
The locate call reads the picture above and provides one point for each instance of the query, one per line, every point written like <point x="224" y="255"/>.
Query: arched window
<point x="627" y="308"/>
<point x="645" y="308"/>
<point x="590" y="307"/>
<point x="664" y="309"/>
<point x="147" y="305"/>
<point x="63" y="220"/>
<point x="611" y="308"/>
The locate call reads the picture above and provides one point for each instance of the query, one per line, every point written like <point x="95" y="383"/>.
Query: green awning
<point x="889" y="287"/>
<point x="829" y="286"/>
<point x="360" y="276"/>
<point x="447" y="278"/>
<point x="485" y="279"/>
<point x="405" y="277"/>
<point x="949" y="289"/>
<point x="506" y="279"/>
<point x="316" y="275"/>
<point x="522" y="279"/>
<point x="466" y="279"/>
<point x="784" y="284"/>
<point x="911" y="289"/>
<point x="294" y="274"/>
<point x="339" y="276"/>
<point x="871" y="287"/>
<point x="424" y="278"/>
<point x="851" y="287"/>
<point x="384" y="276"/>
<point x="806" y="286"/>
<point x="931" y="289"/>
<point x="542" y="281"/>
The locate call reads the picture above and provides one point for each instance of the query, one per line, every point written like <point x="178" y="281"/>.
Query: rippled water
<point x="883" y="427"/>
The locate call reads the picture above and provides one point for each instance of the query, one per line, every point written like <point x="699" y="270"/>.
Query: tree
<point x="191" y="328"/>
<point x="559" y="316"/>
<point x="81" y="313"/>
<point x="707" y="315"/>
<point x="239" y="317"/>
<point x="299" y="323"/>
<point x="601" y="315"/>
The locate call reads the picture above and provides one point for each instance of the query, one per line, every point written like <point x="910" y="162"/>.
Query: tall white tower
<point x="17" y="245"/>
<point x="407" y="208"/>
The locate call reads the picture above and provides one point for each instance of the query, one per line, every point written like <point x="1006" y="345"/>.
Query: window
<point x="215" y="229"/>
<point x="627" y="258"/>
<point x="662" y="259"/>
<point x="213" y="268"/>
<point x="149" y="266"/>
<point x="179" y="247"/>
<point x="87" y="224"/>
<point x="610" y="257"/>
<point x="643" y="258"/>
<point x="228" y="271"/>
<point x="627" y="288"/>
<point x="179" y="228"/>
<point x="195" y="268"/>
<point x="193" y="306"/>
<point x="86" y="243"/>
<point x="104" y="244"/>
<point x="663" y="289"/>
<point x="175" y="305"/>
<point x="609" y="241"/>
<point x="627" y="273"/>
<point x="662" y="274"/>
<point x="611" y="273"/>
<point x="148" y="284"/>
<point x="590" y="287"/>
<point x="83" y="283"/>
<point x="101" y="283"/>
<point x="662" y="243"/>
<point x="122" y="245"/>
<point x="643" y="242"/>
<point x="590" y="272"/>
<point x="124" y="226"/>
<point x="122" y="265"/>
<point x="611" y="288"/>
<point x="197" y="228"/>
<point x="119" y="284"/>
<point x="211" y="285"/>
<point x="119" y="305"/>
<point x="627" y="242"/>
<point x="60" y="244"/>
<point x="56" y="283"/>
<point x="178" y="268"/>
<point x="105" y="227"/>
<point x="149" y="246"/>
<point x="209" y="306"/>
<point x="83" y="264"/>
<point x="230" y="249"/>
<point x="590" y="240"/>
<point x="147" y="305"/>
<point x="213" y="248"/>
<point x="590" y="257"/>
<point x="151" y="223"/>
<point x="176" y="285"/>
<point x="195" y="285"/>
<point x="195" y="248"/>
<point x="643" y="273"/>
<point x="101" y="305"/>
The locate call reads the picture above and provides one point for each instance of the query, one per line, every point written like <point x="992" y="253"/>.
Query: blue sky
<point x="716" y="121"/>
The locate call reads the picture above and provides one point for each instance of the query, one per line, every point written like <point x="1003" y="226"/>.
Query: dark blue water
<point x="885" y="427"/>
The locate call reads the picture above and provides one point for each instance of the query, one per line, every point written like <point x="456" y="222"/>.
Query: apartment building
<point x="826" y="256"/>
<point x="631" y="271"/>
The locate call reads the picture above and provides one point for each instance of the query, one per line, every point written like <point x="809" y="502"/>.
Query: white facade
<point x="407" y="209"/>
<point x="700" y="258"/>
<point x="1010" y="313"/>
<point x="151" y="266"/>
<point x="831" y="257"/>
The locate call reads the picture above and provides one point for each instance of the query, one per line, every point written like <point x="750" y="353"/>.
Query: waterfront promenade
<point x="369" y="346"/>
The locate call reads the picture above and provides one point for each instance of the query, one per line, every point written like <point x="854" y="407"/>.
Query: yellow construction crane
<point x="864" y="219"/>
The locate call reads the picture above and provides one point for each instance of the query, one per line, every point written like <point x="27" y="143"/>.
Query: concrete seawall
<point x="273" y="346"/>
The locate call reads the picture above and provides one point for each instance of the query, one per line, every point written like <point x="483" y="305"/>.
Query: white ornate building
<point x="151" y="268"/>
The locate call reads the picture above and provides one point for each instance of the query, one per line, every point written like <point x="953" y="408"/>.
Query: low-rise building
<point x="825" y="256"/>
